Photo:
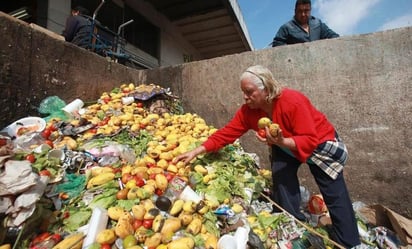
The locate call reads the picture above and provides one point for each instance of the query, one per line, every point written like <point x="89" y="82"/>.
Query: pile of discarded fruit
<point x="104" y="177"/>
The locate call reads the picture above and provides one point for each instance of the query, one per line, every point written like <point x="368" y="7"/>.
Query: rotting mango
<point x="124" y="226"/>
<point x="194" y="226"/>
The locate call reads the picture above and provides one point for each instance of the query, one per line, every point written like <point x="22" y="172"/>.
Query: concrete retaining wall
<point x="362" y="83"/>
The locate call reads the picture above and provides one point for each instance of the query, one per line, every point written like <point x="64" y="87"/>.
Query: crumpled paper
<point x="17" y="177"/>
<point x="25" y="204"/>
<point x="5" y="203"/>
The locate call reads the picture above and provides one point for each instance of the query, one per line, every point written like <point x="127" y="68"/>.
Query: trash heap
<point x="103" y="176"/>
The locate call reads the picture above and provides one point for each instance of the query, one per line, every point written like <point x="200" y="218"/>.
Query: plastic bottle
<point x="175" y="188"/>
<point x="97" y="223"/>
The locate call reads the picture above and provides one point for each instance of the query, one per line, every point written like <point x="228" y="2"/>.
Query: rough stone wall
<point x="34" y="65"/>
<point x="362" y="83"/>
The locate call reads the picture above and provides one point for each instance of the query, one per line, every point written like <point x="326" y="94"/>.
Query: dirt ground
<point x="373" y="191"/>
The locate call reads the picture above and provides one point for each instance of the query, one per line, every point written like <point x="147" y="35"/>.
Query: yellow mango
<point x="153" y="241"/>
<point x="211" y="241"/>
<point x="177" y="207"/>
<point x="161" y="246"/>
<point x="162" y="163"/>
<point x="124" y="226"/>
<point x="171" y="225"/>
<point x="106" y="236"/>
<point x="154" y="170"/>
<point x="185" y="218"/>
<point x="115" y="212"/>
<point x="149" y="189"/>
<point x="139" y="170"/>
<point x="194" y="226"/>
<point x="189" y="206"/>
<point x="161" y="181"/>
<point x="127" y="169"/>
<point x="148" y="204"/>
<point x="182" y="243"/>
<point x="138" y="211"/>
<point x="166" y="155"/>
<point x="200" y="169"/>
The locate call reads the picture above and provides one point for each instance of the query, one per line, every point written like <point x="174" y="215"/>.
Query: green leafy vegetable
<point x="210" y="220"/>
<point x="127" y="204"/>
<point x="77" y="218"/>
<point x="105" y="199"/>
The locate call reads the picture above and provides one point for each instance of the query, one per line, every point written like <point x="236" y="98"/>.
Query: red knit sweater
<point x="294" y="113"/>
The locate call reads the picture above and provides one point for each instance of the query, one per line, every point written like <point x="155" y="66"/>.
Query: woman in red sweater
<point x="305" y="136"/>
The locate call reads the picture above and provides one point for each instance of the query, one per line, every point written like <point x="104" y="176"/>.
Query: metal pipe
<point x="98" y="8"/>
<point x="124" y="24"/>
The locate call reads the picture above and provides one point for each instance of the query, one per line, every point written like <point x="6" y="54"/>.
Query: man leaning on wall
<point x="78" y="27"/>
<point x="303" y="27"/>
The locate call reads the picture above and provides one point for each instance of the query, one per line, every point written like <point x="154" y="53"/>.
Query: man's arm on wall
<point x="280" y="38"/>
<point x="326" y="32"/>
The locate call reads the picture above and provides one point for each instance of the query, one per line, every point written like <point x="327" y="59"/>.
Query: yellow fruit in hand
<point x="274" y="129"/>
<point x="263" y="122"/>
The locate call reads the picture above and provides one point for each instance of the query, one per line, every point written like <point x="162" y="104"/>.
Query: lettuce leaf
<point x="105" y="199"/>
<point x="127" y="204"/>
<point x="76" y="219"/>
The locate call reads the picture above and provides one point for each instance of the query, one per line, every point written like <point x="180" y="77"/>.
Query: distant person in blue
<point x="78" y="27"/>
<point x="303" y="27"/>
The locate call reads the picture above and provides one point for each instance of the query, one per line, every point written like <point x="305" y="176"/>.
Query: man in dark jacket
<point x="303" y="27"/>
<point x="78" y="28"/>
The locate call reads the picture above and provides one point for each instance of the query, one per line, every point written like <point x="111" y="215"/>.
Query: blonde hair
<point x="263" y="78"/>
